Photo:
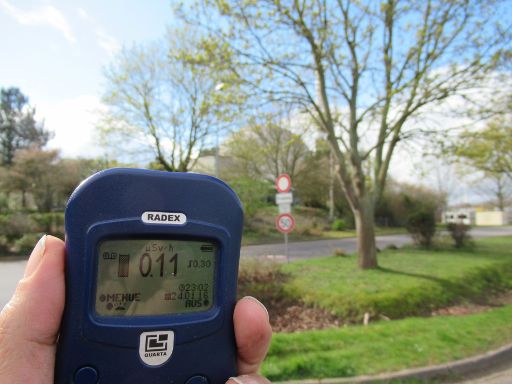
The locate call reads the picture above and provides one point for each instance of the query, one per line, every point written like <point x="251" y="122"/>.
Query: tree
<point x="72" y="172"/>
<point x="267" y="148"/>
<point x="157" y="99"/>
<point x="400" y="200"/>
<point x="33" y="173"/>
<point x="363" y="70"/>
<point x="33" y="176"/>
<point x="18" y="126"/>
<point x="488" y="150"/>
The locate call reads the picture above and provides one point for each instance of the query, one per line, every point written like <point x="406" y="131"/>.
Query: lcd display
<point x="140" y="277"/>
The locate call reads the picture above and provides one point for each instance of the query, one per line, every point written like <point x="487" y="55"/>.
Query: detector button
<point x="197" y="380"/>
<point x="86" y="375"/>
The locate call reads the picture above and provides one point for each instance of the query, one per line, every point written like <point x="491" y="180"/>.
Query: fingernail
<point x="250" y="379"/>
<point x="259" y="302"/>
<point x="35" y="256"/>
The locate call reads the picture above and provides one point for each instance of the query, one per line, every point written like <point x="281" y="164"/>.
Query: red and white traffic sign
<point x="283" y="183"/>
<point x="285" y="223"/>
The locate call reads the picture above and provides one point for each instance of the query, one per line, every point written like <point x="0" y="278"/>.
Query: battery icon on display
<point x="207" y="248"/>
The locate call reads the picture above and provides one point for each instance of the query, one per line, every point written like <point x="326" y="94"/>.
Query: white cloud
<point x="83" y="14"/>
<point x="73" y="123"/>
<point x="42" y="16"/>
<point x="106" y="41"/>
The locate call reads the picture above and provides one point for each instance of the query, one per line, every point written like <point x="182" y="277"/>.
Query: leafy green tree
<point x="401" y="199"/>
<point x="158" y="100"/>
<point x="45" y="181"/>
<point x="72" y="172"/>
<point x="267" y="148"/>
<point x="253" y="194"/>
<point x="488" y="150"/>
<point x="18" y="126"/>
<point x="363" y="70"/>
<point x="33" y="173"/>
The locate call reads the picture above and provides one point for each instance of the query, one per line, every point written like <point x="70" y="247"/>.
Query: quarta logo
<point x="155" y="348"/>
<point x="168" y="218"/>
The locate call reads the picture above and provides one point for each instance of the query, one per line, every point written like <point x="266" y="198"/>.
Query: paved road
<point x="308" y="249"/>
<point x="10" y="273"/>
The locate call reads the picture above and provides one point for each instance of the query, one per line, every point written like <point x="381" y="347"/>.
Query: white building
<point x="478" y="217"/>
<point x="462" y="216"/>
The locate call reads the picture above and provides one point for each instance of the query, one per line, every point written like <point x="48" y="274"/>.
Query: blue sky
<point x="55" y="51"/>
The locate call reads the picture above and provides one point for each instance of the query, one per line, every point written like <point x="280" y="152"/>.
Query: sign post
<point x="285" y="223"/>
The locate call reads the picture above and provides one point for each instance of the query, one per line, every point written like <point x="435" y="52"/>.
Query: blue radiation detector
<point x="151" y="272"/>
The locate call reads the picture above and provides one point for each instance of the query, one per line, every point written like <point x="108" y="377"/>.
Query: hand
<point x="29" y="323"/>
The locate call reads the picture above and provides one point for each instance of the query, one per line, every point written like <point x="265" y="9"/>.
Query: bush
<point x="262" y="279"/>
<point x="459" y="233"/>
<point x="16" y="225"/>
<point x="26" y="243"/>
<point x="400" y="199"/>
<point x="339" y="225"/>
<point x="253" y="195"/>
<point x="340" y="252"/>
<point x="421" y="224"/>
<point x="17" y="230"/>
<point x="50" y="222"/>
<point x="4" y="245"/>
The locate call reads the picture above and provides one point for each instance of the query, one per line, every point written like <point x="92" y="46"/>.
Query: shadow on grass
<point x="443" y="282"/>
<point x="474" y="287"/>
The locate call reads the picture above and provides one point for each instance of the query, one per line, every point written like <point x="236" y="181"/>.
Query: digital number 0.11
<point x="146" y="264"/>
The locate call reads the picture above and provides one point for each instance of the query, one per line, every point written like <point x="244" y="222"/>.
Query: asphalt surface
<point x="501" y="377"/>
<point x="318" y="248"/>
<point x="12" y="271"/>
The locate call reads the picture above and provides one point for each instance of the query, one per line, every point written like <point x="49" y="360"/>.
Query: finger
<point x="248" y="379"/>
<point x="252" y="333"/>
<point x="29" y="323"/>
<point x="34" y="312"/>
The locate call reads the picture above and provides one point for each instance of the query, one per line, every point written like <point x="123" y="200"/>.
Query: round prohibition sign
<point x="283" y="183"/>
<point x="285" y="223"/>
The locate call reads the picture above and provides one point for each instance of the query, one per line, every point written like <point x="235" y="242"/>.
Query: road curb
<point x="470" y="367"/>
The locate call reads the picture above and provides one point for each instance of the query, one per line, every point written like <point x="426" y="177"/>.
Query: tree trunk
<point x="365" y="229"/>
<point x="23" y="199"/>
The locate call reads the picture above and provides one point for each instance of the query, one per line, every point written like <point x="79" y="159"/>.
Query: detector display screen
<point x="141" y="277"/>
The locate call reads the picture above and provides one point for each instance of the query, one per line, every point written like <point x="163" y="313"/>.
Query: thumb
<point x="35" y="310"/>
<point x="30" y="322"/>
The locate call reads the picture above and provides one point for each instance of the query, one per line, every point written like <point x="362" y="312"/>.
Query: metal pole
<point x="286" y="247"/>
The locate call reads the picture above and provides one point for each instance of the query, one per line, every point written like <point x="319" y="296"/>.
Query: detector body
<point x="151" y="271"/>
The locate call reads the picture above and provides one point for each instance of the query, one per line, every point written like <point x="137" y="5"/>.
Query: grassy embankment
<point x="409" y="282"/>
<point x="385" y="346"/>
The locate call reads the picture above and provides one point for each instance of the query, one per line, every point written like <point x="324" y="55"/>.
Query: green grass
<point x="385" y="346"/>
<point x="379" y="231"/>
<point x="408" y="282"/>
